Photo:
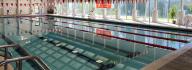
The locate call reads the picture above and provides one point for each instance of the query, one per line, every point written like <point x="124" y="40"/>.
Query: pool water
<point x="67" y="44"/>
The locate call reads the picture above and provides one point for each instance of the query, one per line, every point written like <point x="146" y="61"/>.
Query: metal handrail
<point x="20" y="59"/>
<point x="6" y="52"/>
<point x="3" y="54"/>
<point x="8" y="46"/>
<point x="6" y="60"/>
<point x="38" y="60"/>
<point x="15" y="59"/>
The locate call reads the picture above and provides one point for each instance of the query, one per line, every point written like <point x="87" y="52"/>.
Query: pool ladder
<point x="19" y="60"/>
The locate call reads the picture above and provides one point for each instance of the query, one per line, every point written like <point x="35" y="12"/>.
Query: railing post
<point x="5" y="58"/>
<point x="68" y="31"/>
<point x="75" y="34"/>
<point x="104" y="42"/>
<point x="20" y="65"/>
<point x="83" y="36"/>
<point x="93" y="41"/>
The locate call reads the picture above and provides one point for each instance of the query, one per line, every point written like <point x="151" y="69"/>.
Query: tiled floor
<point x="183" y="62"/>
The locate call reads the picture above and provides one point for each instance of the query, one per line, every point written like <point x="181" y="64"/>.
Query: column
<point x="117" y="11"/>
<point x="155" y="12"/>
<point x="92" y="12"/>
<point x="104" y="13"/>
<point x="74" y="8"/>
<point x="134" y="11"/>
<point x="17" y="8"/>
<point x="83" y="10"/>
<point x="181" y="14"/>
<point x="146" y="10"/>
<point x="1" y="9"/>
<point x="66" y="4"/>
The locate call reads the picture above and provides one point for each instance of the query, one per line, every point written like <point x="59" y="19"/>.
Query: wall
<point x="25" y="7"/>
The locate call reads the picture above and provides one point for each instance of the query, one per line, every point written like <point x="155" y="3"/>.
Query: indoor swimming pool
<point x="69" y="44"/>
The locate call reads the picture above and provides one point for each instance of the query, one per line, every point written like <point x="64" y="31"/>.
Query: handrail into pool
<point x="6" y="52"/>
<point x="25" y="53"/>
<point x="134" y="41"/>
<point x="7" y="46"/>
<point x="19" y="60"/>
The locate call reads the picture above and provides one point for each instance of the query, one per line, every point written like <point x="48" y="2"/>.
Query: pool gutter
<point x="156" y="65"/>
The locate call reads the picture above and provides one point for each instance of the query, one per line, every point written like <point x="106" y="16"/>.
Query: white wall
<point x="23" y="9"/>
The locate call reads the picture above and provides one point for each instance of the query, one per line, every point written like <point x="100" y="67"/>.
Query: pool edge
<point x="156" y="65"/>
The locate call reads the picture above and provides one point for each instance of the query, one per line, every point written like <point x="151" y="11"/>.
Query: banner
<point x="101" y="32"/>
<point x="103" y="3"/>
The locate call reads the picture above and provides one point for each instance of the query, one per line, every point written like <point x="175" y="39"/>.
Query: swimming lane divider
<point x="171" y="39"/>
<point x="157" y="31"/>
<point x="172" y="33"/>
<point x="134" y="41"/>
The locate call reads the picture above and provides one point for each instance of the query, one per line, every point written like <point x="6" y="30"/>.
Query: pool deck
<point x="177" y="60"/>
<point x="9" y="67"/>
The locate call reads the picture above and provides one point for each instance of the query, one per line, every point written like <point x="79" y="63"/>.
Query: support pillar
<point x="181" y="15"/>
<point x="104" y="13"/>
<point x="117" y="11"/>
<point x="74" y="8"/>
<point x="92" y="12"/>
<point x="83" y="10"/>
<point x="146" y="10"/>
<point x="17" y="7"/>
<point x="134" y="11"/>
<point x="66" y="4"/>
<point x="155" y="12"/>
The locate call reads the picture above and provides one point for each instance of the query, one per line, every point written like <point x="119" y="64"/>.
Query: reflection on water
<point x="87" y="45"/>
